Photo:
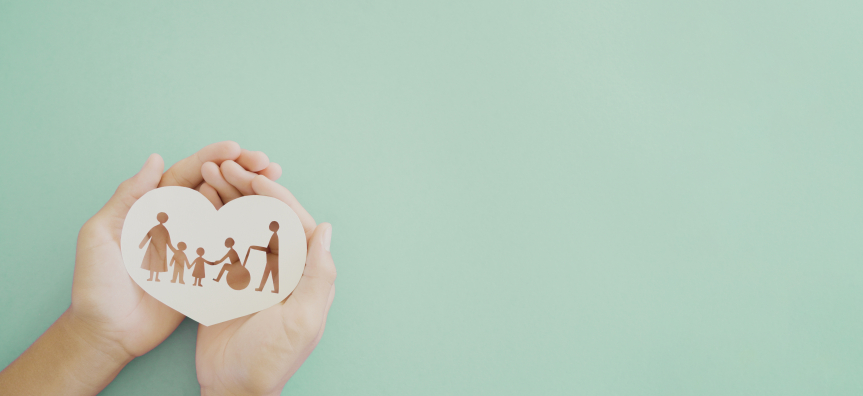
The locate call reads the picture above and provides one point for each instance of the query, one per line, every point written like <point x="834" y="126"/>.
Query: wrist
<point x="79" y="362"/>
<point x="109" y="352"/>
<point x="222" y="392"/>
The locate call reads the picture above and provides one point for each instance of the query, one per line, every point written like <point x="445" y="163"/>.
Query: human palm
<point x="105" y="300"/>
<point x="111" y="320"/>
<point x="258" y="353"/>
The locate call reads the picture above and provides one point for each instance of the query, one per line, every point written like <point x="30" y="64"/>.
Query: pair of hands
<point x="255" y="354"/>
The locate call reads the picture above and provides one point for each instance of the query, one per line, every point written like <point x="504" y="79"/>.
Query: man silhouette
<point x="272" y="250"/>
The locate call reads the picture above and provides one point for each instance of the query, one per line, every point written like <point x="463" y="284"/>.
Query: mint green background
<point x="597" y="198"/>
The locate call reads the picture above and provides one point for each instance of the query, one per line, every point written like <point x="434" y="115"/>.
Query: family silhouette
<point x="238" y="277"/>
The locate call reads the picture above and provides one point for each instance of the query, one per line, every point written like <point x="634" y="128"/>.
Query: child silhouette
<point x="180" y="259"/>
<point x="198" y="272"/>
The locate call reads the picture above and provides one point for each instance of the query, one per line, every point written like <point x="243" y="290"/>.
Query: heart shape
<point x="263" y="229"/>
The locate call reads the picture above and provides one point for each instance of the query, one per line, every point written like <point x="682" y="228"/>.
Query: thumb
<point x="308" y="303"/>
<point x="132" y="189"/>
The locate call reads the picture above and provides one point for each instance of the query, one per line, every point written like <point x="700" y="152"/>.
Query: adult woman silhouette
<point x="156" y="257"/>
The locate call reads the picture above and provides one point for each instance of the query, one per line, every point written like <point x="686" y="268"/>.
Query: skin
<point x="111" y="320"/>
<point x="258" y="353"/>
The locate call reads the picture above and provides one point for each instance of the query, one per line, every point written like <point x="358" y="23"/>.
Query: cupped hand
<point x="258" y="353"/>
<point x="107" y="304"/>
<point x="111" y="320"/>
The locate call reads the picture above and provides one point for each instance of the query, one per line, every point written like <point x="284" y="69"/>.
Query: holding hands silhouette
<point x="111" y="320"/>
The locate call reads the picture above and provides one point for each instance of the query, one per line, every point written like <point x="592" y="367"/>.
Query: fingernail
<point x="150" y="158"/>
<point x="328" y="236"/>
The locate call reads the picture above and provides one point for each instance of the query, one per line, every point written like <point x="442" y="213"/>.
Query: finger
<point x="212" y="195"/>
<point x="132" y="189"/>
<point x="187" y="172"/>
<point x="238" y="177"/>
<point x="272" y="171"/>
<point x="253" y="161"/>
<point x="310" y="298"/>
<point x="213" y="176"/>
<point x="264" y="186"/>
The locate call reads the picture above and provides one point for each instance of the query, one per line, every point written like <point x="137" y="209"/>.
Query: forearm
<point x="225" y="392"/>
<point x="67" y="359"/>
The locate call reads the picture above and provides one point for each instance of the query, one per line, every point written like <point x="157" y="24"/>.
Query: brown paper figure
<point x="238" y="276"/>
<point x="272" y="250"/>
<point x="156" y="258"/>
<point x="198" y="272"/>
<point x="180" y="260"/>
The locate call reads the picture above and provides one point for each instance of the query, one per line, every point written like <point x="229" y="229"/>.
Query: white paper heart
<point x="193" y="220"/>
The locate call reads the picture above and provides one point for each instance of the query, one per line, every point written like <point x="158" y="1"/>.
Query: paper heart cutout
<point x="193" y="220"/>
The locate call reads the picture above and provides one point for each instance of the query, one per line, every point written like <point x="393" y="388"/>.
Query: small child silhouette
<point x="198" y="272"/>
<point x="181" y="260"/>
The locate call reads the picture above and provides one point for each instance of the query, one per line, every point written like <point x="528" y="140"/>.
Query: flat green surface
<point x="597" y="198"/>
